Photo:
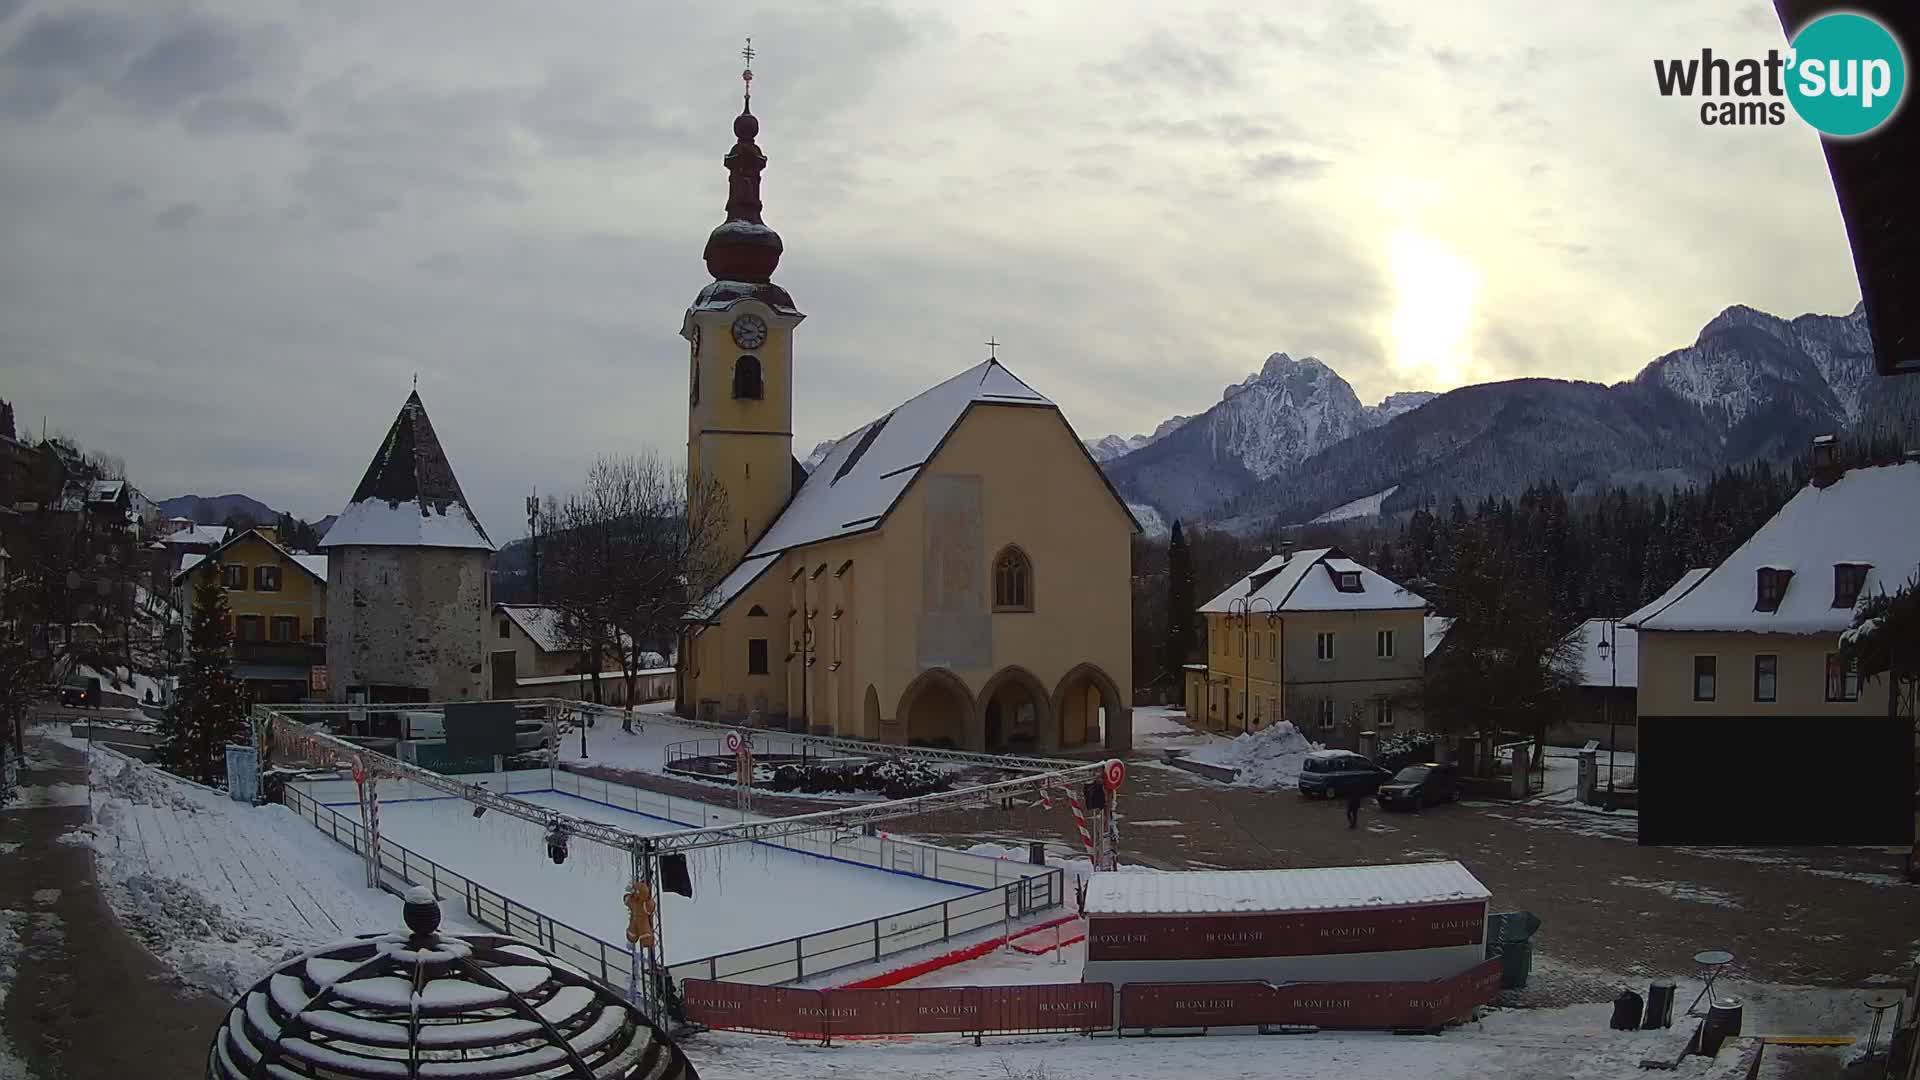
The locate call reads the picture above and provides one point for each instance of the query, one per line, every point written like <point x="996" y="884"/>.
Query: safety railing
<point x="1008" y="891"/>
<point x="764" y="745"/>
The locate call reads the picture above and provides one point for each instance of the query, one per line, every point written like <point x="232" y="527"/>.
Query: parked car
<point x="530" y="735"/>
<point x="75" y="697"/>
<point x="1332" y="774"/>
<point x="1420" y="785"/>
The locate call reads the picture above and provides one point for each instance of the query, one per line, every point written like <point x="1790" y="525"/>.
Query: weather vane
<point x="746" y="74"/>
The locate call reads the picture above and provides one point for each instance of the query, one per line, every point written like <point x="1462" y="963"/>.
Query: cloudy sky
<point x="236" y="229"/>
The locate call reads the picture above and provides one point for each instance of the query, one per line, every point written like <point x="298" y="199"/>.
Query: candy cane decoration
<point x="1080" y="821"/>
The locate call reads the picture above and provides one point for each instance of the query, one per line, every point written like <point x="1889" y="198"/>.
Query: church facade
<point x="956" y="573"/>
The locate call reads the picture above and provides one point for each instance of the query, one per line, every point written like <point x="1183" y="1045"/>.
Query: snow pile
<point x="1270" y="757"/>
<point x="12" y="923"/>
<point x="135" y="783"/>
<point x="196" y="936"/>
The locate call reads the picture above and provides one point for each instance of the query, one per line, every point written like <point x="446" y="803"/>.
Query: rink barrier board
<point x="1296" y="933"/>
<point x="809" y="955"/>
<point x="1084" y="1007"/>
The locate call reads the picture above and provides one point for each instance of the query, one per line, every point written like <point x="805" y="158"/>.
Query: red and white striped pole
<point x="1080" y="822"/>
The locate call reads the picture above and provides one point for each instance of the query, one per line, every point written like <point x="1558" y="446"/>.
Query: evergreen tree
<point x="209" y="711"/>
<point x="1180" y="602"/>
<point x="1885" y="641"/>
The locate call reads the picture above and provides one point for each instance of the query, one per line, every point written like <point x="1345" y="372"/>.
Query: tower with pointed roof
<point x="739" y="332"/>
<point x="407" y="588"/>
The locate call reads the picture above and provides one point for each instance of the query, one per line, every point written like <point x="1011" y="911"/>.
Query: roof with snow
<point x="409" y="496"/>
<point x="312" y="564"/>
<point x="1612" y="667"/>
<point x="866" y="473"/>
<point x="546" y="627"/>
<point x="1674" y="592"/>
<point x="1329" y="888"/>
<point x="198" y="534"/>
<point x="1436" y="631"/>
<point x="1305" y="581"/>
<point x="1868" y="517"/>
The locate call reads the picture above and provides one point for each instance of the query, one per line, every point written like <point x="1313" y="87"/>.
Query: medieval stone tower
<point x="407" y="590"/>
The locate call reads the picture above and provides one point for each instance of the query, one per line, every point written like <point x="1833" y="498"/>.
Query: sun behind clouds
<point x="1434" y="292"/>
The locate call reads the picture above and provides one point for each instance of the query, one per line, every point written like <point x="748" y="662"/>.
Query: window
<point x="746" y="378"/>
<point x="1347" y="581"/>
<point x="1012" y="581"/>
<point x="320" y="630"/>
<point x="505" y="630"/>
<point x="756" y="611"/>
<point x="246" y="628"/>
<point x="1383" y="644"/>
<point x="1843" y="678"/>
<point x="1273" y="645"/>
<point x="1848" y="580"/>
<point x="1766" y="677"/>
<point x="1772" y="585"/>
<point x="757" y="656"/>
<point x="1383" y="711"/>
<point x="266" y="579"/>
<point x="1326" y="713"/>
<point x="1705" y="673"/>
<point x="1323" y="646"/>
<point x="1257" y="704"/>
<point x="233" y="577"/>
<point x="1256" y="646"/>
<point x="283" y="628"/>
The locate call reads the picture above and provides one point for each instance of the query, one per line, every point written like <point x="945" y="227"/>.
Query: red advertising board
<point x="985" y="1009"/>
<point x="1304" y="933"/>
<point x="1325" y="1005"/>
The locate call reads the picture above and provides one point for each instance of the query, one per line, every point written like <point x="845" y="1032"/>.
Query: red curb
<point x="944" y="960"/>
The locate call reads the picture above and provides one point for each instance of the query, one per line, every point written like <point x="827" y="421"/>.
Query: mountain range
<point x="1293" y="443"/>
<point x="216" y="509"/>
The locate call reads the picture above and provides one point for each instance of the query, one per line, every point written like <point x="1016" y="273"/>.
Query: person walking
<point x="1355" y="796"/>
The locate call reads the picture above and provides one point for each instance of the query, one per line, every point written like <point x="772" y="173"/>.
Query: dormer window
<point x="1346" y="581"/>
<point x="1771" y="586"/>
<point x="1848" y="580"/>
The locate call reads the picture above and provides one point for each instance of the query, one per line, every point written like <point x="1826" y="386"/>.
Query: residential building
<point x="956" y="572"/>
<point x="1740" y="668"/>
<point x="1318" y="639"/>
<point x="277" y="604"/>
<point x="407" y="577"/>
<point x="531" y="653"/>
<point x="1600" y="706"/>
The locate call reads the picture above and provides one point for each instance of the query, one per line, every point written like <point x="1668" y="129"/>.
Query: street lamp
<point x="1609" y="650"/>
<point x="1244" y="608"/>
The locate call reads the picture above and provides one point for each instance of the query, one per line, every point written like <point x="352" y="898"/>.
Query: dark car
<point x="75" y="697"/>
<point x="1332" y="774"/>
<point x="1420" y="785"/>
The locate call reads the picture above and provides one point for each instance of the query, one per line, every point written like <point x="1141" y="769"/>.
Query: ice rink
<point x="743" y="894"/>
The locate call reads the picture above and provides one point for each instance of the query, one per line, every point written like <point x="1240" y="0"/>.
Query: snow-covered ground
<point x="1270" y="757"/>
<point x="743" y="894"/>
<point x="220" y="890"/>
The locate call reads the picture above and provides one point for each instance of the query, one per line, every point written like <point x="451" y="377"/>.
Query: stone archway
<point x="1083" y="695"/>
<point x="937" y="709"/>
<point x="1015" y="713"/>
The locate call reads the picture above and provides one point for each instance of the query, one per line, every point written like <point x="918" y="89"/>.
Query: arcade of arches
<point x="1012" y="712"/>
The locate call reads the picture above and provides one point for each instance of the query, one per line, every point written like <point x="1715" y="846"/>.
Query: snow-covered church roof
<point x="409" y="496"/>
<point x="1288" y="583"/>
<point x="1868" y="517"/>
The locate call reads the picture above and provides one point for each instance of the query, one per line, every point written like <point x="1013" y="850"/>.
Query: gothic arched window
<point x="746" y="377"/>
<point x="1012" y="580"/>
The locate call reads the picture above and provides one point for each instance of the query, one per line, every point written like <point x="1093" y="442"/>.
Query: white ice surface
<point x="743" y="894"/>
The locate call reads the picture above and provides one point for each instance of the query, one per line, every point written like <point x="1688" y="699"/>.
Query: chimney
<point x="1826" y="461"/>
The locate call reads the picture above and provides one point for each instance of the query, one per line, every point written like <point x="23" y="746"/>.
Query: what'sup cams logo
<point x="1844" y="75"/>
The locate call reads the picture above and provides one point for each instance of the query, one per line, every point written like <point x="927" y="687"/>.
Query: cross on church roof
<point x="992" y="349"/>
<point x="746" y="74"/>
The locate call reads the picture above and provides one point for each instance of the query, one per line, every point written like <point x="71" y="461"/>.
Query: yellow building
<point x="1315" y="638"/>
<point x="954" y="573"/>
<point x="278" y="601"/>
<point x="531" y="655"/>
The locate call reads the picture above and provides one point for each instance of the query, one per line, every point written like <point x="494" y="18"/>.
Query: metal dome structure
<point x="424" y="1004"/>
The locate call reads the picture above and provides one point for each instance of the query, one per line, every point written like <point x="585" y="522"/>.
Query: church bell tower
<point x="739" y="332"/>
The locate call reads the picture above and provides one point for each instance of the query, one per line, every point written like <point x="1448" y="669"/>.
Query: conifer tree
<point x="209" y="711"/>
<point x="1180" y="602"/>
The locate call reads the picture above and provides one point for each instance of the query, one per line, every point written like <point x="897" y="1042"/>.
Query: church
<point x="956" y="573"/>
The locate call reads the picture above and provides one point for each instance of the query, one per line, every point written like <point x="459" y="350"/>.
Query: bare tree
<point x="629" y="555"/>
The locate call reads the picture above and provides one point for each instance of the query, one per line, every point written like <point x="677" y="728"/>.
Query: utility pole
<point x="533" y="538"/>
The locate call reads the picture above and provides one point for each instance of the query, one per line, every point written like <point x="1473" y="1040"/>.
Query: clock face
<point x="749" y="331"/>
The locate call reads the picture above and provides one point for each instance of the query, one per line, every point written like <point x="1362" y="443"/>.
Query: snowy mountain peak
<point x="1108" y="447"/>
<point x="1746" y="360"/>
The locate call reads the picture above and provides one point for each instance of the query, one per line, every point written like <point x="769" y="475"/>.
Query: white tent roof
<point x="1302" y="583"/>
<point x="1870" y="516"/>
<point x="1331" y="888"/>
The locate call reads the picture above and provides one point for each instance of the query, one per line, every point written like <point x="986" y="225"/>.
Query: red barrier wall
<point x="986" y="1009"/>
<point x="1211" y="937"/>
<point x="1373" y="1005"/>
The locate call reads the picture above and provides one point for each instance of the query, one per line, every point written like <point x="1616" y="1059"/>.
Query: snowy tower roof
<point x="417" y="1003"/>
<point x="742" y="252"/>
<point x="409" y="497"/>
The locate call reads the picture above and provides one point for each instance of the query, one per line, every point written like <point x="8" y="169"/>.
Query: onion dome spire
<point x="742" y="248"/>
